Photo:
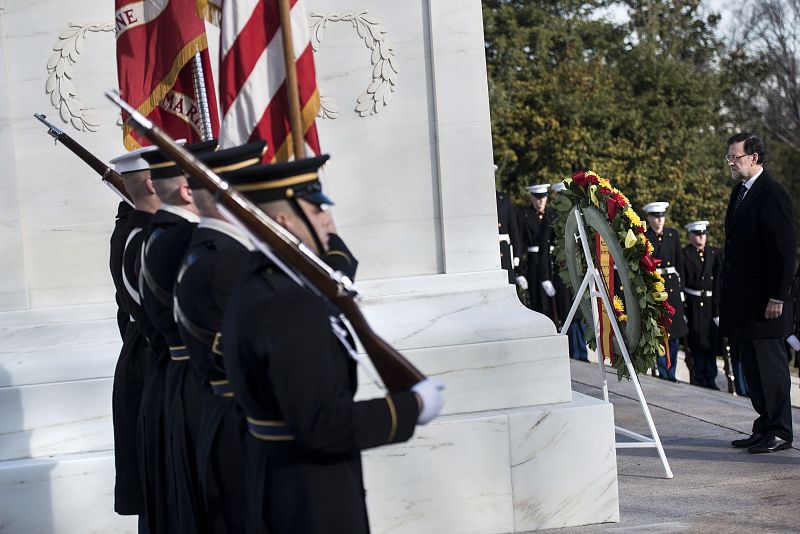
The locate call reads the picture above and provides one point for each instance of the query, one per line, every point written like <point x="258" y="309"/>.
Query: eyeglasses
<point x="731" y="159"/>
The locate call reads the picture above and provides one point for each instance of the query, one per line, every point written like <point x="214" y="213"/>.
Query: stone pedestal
<point x="515" y="449"/>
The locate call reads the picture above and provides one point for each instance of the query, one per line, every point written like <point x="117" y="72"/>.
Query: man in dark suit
<point x="702" y="266"/>
<point x="667" y="247"/>
<point x="756" y="282"/>
<point x="292" y="368"/>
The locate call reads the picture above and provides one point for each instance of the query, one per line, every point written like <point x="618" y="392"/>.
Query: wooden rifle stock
<point x="397" y="373"/>
<point x="109" y="175"/>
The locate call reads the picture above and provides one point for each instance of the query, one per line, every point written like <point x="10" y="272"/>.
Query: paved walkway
<point x="716" y="488"/>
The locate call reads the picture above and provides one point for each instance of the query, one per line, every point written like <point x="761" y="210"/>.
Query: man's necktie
<point x="739" y="197"/>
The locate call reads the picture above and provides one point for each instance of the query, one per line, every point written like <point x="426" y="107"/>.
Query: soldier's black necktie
<point x="739" y="197"/>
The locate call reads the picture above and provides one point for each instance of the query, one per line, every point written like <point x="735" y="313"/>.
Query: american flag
<point x="252" y="76"/>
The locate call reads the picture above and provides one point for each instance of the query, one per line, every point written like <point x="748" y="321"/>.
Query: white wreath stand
<point x="594" y="283"/>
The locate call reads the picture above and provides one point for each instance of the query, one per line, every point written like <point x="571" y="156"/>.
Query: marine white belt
<point x="533" y="249"/>
<point x="697" y="292"/>
<point x="667" y="270"/>
<point x="506" y="238"/>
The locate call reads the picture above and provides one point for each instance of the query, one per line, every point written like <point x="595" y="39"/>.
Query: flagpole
<point x="292" y="92"/>
<point x="200" y="94"/>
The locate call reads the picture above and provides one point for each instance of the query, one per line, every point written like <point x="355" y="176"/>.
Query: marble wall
<point x="413" y="183"/>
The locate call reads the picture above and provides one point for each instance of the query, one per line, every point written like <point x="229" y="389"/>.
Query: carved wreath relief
<point x="384" y="62"/>
<point x="60" y="85"/>
<point x="63" y="92"/>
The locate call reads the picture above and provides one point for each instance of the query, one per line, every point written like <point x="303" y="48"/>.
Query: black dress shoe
<point x="747" y="442"/>
<point x="770" y="443"/>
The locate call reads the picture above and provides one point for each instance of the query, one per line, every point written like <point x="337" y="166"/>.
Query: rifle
<point x="397" y="373"/>
<point x="110" y="177"/>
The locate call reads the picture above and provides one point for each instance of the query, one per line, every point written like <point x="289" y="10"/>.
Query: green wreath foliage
<point x="586" y="189"/>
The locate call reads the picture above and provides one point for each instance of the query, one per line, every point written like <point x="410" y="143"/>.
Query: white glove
<point x="716" y="321"/>
<point x="430" y="392"/>
<point x="522" y="282"/>
<point x="516" y="262"/>
<point x="548" y="287"/>
<point x="793" y="342"/>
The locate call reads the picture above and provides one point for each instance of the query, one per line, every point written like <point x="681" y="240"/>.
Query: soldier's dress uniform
<point x="172" y="385"/>
<point x="129" y="372"/>
<point x="509" y="235"/>
<point x="143" y="339"/>
<point x="214" y="261"/>
<point x="701" y="278"/>
<point x="667" y="248"/>
<point x="537" y="234"/>
<point x="289" y="364"/>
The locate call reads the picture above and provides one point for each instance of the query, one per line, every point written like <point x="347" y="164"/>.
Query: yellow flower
<point x="622" y="318"/>
<point x="632" y="217"/>
<point x="630" y="239"/>
<point x="660" y="296"/>
<point x="650" y="247"/>
<point x="602" y="182"/>
<point x="592" y="191"/>
<point x="659" y="286"/>
<point x="619" y="307"/>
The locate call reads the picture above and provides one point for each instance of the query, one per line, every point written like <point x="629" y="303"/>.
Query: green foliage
<point x="638" y="103"/>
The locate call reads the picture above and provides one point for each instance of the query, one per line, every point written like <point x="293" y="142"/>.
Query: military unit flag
<point x="157" y="41"/>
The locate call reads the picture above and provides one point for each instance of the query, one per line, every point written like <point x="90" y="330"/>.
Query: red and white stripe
<point x="253" y="75"/>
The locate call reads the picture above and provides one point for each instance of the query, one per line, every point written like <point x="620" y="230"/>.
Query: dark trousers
<point x="739" y="380"/>
<point x="767" y="373"/>
<point x="577" y="341"/>
<point x="705" y="368"/>
<point x="661" y="361"/>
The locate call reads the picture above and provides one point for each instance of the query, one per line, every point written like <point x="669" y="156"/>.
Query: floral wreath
<point x="586" y="189"/>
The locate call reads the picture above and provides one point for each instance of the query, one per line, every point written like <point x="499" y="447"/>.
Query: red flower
<point x="638" y="229"/>
<point x="664" y="321"/>
<point x="648" y="263"/>
<point x="611" y="206"/>
<point x="668" y="309"/>
<point x="579" y="177"/>
<point x="593" y="179"/>
<point x="606" y="191"/>
<point x="619" y="200"/>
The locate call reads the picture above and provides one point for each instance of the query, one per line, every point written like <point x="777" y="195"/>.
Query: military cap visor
<point x="162" y="167"/>
<point x="281" y="181"/>
<point x="230" y="159"/>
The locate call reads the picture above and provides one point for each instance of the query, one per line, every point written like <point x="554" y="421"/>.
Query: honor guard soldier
<point x="168" y="235"/>
<point x="214" y="262"/>
<point x="131" y="365"/>
<point x="702" y="267"/>
<point x="536" y="229"/>
<point x="291" y="363"/>
<point x="576" y="333"/>
<point x="667" y="247"/>
<point x="509" y="238"/>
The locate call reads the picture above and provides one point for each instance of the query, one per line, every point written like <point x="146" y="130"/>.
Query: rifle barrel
<point x="109" y="175"/>
<point x="397" y="373"/>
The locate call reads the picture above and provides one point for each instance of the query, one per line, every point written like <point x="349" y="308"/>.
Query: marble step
<point x="498" y="471"/>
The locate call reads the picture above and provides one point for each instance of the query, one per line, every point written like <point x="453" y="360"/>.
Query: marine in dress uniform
<point x="667" y="247"/>
<point x="576" y="333"/>
<point x="509" y="236"/>
<point x="130" y="369"/>
<point x="291" y="366"/>
<point x="169" y="471"/>
<point x="214" y="262"/>
<point x="536" y="229"/>
<point x="701" y="276"/>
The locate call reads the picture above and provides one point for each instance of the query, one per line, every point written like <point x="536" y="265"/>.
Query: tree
<point x="637" y="102"/>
